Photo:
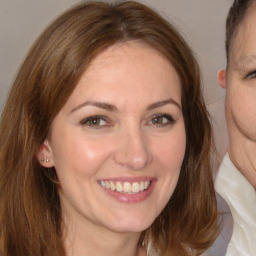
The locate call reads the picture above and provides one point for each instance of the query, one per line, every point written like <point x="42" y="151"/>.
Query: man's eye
<point x="96" y="121"/>
<point x="251" y="75"/>
<point x="161" y="120"/>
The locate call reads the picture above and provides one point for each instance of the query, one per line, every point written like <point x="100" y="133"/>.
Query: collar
<point x="241" y="198"/>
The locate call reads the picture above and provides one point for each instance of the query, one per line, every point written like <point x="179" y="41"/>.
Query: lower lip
<point x="131" y="198"/>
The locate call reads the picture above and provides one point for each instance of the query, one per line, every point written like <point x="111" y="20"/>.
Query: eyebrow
<point x="163" y="103"/>
<point x="242" y="64"/>
<point x="97" y="104"/>
<point x="112" y="108"/>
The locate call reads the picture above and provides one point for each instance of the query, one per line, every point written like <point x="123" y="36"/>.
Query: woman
<point x="105" y="141"/>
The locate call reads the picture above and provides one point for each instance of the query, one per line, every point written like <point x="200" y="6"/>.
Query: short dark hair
<point x="235" y="17"/>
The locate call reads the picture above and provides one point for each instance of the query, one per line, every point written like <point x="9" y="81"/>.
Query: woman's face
<point x="118" y="143"/>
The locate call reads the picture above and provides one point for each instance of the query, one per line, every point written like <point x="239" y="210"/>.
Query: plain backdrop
<point x="201" y="22"/>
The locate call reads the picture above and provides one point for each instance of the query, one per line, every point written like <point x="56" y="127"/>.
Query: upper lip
<point x="129" y="179"/>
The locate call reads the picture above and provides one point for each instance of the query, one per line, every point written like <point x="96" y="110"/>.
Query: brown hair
<point x="30" y="213"/>
<point x="235" y="17"/>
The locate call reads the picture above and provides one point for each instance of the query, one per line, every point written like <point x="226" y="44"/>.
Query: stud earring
<point x="47" y="160"/>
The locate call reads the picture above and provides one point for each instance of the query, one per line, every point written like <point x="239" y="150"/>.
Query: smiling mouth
<point x="126" y="187"/>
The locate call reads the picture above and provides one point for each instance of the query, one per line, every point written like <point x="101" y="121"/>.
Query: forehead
<point x="244" y="45"/>
<point x="131" y="59"/>
<point x="127" y="72"/>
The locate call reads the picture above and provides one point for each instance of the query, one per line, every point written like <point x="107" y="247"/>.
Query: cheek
<point x="171" y="149"/>
<point x="241" y="110"/>
<point x="242" y="105"/>
<point x="170" y="157"/>
<point x="80" y="156"/>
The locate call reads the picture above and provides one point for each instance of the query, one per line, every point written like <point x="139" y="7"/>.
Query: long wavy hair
<point x="30" y="212"/>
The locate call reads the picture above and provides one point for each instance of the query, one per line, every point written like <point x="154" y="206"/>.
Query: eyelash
<point x="87" y="121"/>
<point x="170" y="120"/>
<point x="251" y="75"/>
<point x="96" y="119"/>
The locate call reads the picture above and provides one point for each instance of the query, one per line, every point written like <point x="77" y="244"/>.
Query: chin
<point x="133" y="225"/>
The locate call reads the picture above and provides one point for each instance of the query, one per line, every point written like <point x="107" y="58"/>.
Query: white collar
<point x="241" y="198"/>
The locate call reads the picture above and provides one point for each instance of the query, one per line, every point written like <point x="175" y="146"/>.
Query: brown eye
<point x="94" y="121"/>
<point x="161" y="120"/>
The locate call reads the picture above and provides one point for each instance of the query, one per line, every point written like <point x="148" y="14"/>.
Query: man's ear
<point x="44" y="155"/>
<point x="222" y="78"/>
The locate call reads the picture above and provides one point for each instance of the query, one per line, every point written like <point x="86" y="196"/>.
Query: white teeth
<point x="119" y="187"/>
<point x="142" y="185"/>
<point x="135" y="187"/>
<point x="107" y="185"/>
<point x="126" y="187"/>
<point x="112" y="185"/>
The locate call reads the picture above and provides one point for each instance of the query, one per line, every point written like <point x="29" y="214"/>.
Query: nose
<point x="132" y="151"/>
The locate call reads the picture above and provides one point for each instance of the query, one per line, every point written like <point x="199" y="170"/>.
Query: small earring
<point x="42" y="160"/>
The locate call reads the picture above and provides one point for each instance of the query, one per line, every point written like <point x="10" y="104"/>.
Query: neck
<point x="242" y="152"/>
<point x="87" y="238"/>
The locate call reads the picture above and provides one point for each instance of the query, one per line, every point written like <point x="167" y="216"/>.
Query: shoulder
<point x="225" y="219"/>
<point x="226" y="223"/>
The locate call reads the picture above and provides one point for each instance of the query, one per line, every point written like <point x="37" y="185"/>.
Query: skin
<point x="132" y="140"/>
<point x="240" y="82"/>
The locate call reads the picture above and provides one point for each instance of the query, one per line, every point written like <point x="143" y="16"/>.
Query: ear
<point x="44" y="155"/>
<point x="222" y="78"/>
